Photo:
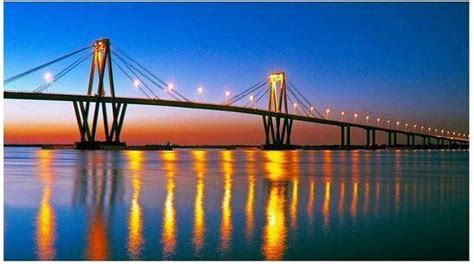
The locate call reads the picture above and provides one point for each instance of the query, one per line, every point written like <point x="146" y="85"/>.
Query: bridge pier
<point x="88" y="130"/>
<point x="277" y="132"/>
<point x="390" y="139"/>
<point x="345" y="136"/>
<point x="368" y="138"/>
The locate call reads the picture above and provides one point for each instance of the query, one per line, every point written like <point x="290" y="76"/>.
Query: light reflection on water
<point x="212" y="204"/>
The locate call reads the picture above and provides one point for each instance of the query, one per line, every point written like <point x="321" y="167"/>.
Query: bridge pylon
<point x="277" y="129"/>
<point x="100" y="67"/>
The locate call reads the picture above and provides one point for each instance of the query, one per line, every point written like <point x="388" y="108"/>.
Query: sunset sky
<point x="397" y="61"/>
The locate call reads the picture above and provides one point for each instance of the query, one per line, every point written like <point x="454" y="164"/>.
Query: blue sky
<point x="406" y="61"/>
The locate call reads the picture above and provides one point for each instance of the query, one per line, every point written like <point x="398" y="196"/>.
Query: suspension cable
<point x="301" y="102"/>
<point x="132" y="68"/>
<point x="247" y="91"/>
<point x="131" y="79"/>
<point x="62" y="73"/>
<point x="153" y="75"/>
<point x="252" y="103"/>
<point x="138" y="77"/>
<point x="256" y="101"/>
<point x="304" y="98"/>
<point x="13" y="78"/>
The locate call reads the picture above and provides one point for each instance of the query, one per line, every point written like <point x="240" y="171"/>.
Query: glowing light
<point x="355" y="117"/>
<point x="378" y="121"/>
<point x="136" y="83"/>
<point x="200" y="90"/>
<point x="251" y="97"/>
<point x="342" y="115"/>
<point x="295" y="105"/>
<point x="275" y="77"/>
<point x="170" y="87"/>
<point x="48" y="77"/>
<point x="311" y="109"/>
<point x="227" y="94"/>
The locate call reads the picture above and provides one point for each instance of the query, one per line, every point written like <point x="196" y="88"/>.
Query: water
<point x="216" y="204"/>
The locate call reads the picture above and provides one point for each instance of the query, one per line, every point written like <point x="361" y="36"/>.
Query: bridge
<point x="276" y="90"/>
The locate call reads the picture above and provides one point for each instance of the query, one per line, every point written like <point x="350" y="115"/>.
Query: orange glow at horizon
<point x="55" y="123"/>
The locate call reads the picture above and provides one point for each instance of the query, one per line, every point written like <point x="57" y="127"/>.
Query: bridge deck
<point x="204" y="106"/>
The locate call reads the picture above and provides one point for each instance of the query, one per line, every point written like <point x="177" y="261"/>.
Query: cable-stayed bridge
<point x="276" y="93"/>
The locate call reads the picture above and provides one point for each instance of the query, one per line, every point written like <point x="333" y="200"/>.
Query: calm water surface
<point x="213" y="204"/>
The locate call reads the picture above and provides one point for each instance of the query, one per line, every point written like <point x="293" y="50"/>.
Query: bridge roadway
<point x="207" y="106"/>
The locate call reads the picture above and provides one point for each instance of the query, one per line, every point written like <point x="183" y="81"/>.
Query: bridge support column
<point x="345" y="136"/>
<point x="277" y="132"/>
<point x="390" y="139"/>
<point x="374" y="139"/>
<point x="88" y="130"/>
<point x="368" y="138"/>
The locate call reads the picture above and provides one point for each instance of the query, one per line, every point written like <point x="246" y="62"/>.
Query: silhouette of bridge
<point x="276" y="90"/>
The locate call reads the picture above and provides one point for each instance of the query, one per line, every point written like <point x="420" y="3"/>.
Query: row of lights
<point x="367" y="118"/>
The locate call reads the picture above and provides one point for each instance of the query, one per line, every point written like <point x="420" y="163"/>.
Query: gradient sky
<point x="397" y="61"/>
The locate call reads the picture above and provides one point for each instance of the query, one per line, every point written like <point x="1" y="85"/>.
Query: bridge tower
<point x="100" y="67"/>
<point x="277" y="129"/>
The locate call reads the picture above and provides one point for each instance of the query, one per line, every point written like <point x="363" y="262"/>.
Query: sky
<point x="404" y="62"/>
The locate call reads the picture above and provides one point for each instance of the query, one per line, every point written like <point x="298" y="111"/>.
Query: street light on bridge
<point x="378" y="121"/>
<point x="48" y="77"/>
<point x="342" y="115"/>
<point x="406" y="127"/>
<point x="398" y="123"/>
<point x="421" y="129"/>
<point x="355" y="118"/>
<point x="227" y="94"/>
<point x="367" y="120"/>
<point x="200" y="90"/>
<point x="136" y="83"/>
<point x="251" y="98"/>
<point x="327" y="113"/>
<point x="170" y="87"/>
<point x="414" y="128"/>
<point x="388" y="123"/>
